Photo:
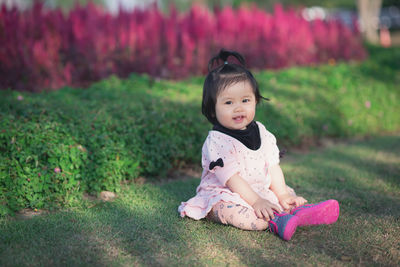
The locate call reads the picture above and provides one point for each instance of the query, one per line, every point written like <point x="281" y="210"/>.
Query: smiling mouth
<point x="238" y="119"/>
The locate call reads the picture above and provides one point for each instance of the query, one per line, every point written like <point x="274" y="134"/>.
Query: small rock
<point x="107" y="196"/>
<point x="345" y="258"/>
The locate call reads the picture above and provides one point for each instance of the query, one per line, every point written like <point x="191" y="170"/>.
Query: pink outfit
<point x="251" y="165"/>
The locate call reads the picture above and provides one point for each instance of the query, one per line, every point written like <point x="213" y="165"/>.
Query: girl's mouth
<point x="238" y="119"/>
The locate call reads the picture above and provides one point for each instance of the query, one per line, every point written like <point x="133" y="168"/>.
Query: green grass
<point x="142" y="226"/>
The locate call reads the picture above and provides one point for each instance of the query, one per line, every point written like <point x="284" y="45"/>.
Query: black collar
<point x="250" y="137"/>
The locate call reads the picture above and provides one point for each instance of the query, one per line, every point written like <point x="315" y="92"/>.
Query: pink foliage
<point x="46" y="49"/>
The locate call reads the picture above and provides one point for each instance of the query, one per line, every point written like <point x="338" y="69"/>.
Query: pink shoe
<point x="284" y="225"/>
<point x="325" y="212"/>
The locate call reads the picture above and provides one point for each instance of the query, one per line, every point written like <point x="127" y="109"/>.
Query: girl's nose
<point x="239" y="107"/>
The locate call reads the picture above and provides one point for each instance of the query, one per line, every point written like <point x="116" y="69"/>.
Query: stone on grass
<point x="107" y="196"/>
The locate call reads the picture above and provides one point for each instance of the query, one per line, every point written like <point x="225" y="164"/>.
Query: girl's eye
<point x="228" y="102"/>
<point x="246" y="100"/>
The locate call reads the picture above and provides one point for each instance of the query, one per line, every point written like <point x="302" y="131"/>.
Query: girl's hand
<point x="264" y="209"/>
<point x="289" y="202"/>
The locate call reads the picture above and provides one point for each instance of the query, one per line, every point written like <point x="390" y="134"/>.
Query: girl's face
<point x="236" y="106"/>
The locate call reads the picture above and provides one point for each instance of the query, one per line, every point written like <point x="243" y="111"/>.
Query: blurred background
<point x="48" y="44"/>
<point x="378" y="14"/>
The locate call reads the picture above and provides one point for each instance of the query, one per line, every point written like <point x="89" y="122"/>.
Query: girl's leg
<point x="283" y="225"/>
<point x="236" y="215"/>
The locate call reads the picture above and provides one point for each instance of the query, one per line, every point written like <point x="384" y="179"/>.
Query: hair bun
<point x="223" y="56"/>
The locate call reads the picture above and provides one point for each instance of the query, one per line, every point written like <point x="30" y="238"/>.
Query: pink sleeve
<point x="219" y="157"/>
<point x="273" y="150"/>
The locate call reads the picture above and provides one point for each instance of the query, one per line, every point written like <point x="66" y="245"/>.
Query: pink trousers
<point x="239" y="216"/>
<point x="236" y="215"/>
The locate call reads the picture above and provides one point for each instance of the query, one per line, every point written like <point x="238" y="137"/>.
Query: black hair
<point x="223" y="76"/>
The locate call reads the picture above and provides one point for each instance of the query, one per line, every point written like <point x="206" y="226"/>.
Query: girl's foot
<point x="284" y="225"/>
<point x="325" y="212"/>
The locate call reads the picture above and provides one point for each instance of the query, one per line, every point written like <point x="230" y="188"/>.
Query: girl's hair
<point x="223" y="76"/>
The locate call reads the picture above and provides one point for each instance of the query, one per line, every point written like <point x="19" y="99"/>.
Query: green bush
<point x="94" y="139"/>
<point x="40" y="164"/>
<point x="56" y="145"/>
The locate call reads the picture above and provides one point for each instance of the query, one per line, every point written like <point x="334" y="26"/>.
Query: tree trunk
<point x="369" y="19"/>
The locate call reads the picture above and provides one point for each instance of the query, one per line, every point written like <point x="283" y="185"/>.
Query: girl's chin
<point x="238" y="126"/>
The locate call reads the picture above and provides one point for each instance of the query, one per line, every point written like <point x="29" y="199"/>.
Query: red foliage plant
<point x="46" y="49"/>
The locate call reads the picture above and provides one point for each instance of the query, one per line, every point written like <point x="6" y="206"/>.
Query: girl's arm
<point x="278" y="186"/>
<point x="262" y="207"/>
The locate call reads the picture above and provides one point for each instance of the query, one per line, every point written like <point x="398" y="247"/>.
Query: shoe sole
<point x="326" y="212"/>
<point x="290" y="228"/>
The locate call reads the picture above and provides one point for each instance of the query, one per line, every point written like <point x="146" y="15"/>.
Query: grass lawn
<point x="142" y="226"/>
